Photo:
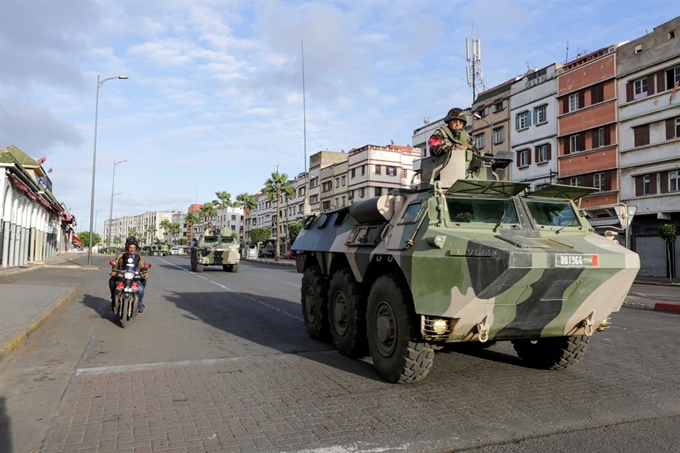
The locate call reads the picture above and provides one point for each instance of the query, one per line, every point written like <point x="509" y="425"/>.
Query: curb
<point x="22" y="333"/>
<point x="659" y="306"/>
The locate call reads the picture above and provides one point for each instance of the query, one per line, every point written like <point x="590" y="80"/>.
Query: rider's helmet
<point x="131" y="240"/>
<point x="456" y="114"/>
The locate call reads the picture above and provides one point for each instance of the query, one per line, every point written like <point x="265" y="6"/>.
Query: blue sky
<point x="214" y="96"/>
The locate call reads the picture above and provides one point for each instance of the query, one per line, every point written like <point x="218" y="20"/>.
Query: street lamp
<point x="94" y="158"/>
<point x="113" y="181"/>
<point x="477" y="116"/>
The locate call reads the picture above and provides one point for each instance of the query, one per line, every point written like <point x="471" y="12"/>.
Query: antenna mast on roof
<point x="473" y="54"/>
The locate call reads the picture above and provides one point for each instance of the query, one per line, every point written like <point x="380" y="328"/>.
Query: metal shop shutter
<point x="652" y="251"/>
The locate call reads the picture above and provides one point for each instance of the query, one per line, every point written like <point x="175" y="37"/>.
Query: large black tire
<point x="552" y="353"/>
<point x="399" y="353"/>
<point x="347" y="314"/>
<point x="199" y="267"/>
<point x="314" y="302"/>
<point x="230" y="268"/>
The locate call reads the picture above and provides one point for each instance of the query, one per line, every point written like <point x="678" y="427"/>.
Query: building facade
<point x="375" y="170"/>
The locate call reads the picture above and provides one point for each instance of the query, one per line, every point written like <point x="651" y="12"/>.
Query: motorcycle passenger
<point x="131" y="246"/>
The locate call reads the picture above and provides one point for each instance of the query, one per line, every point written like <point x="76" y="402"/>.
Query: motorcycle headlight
<point x="129" y="275"/>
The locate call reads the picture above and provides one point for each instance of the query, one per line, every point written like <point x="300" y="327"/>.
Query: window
<point x="378" y="169"/>
<point x="313" y="182"/>
<point x="523" y="158"/>
<point x="491" y="212"/>
<point x="343" y="201"/>
<point x="499" y="134"/>
<point x="484" y="112"/>
<point x="500" y="106"/>
<point x="480" y="140"/>
<point x="543" y="153"/>
<point x="598" y="181"/>
<point x="233" y="217"/>
<point x="646" y="185"/>
<point x="574" y="102"/>
<point x="552" y="213"/>
<point x="672" y="77"/>
<point x="671" y="34"/>
<point x="328" y="185"/>
<point x="363" y="170"/>
<point x="301" y="191"/>
<point x="522" y="121"/>
<point x="641" y="134"/>
<point x="314" y="198"/>
<point x="378" y="191"/>
<point x="640" y="88"/>
<point x="343" y="181"/>
<point x="598" y="137"/>
<point x="404" y="173"/>
<point x="354" y="173"/>
<point x="337" y="201"/>
<point x="326" y="205"/>
<point x="575" y="181"/>
<point x="361" y="193"/>
<point x="391" y="171"/>
<point x="541" y="114"/>
<point x="575" y="143"/>
<point x="597" y="94"/>
<point x="674" y="181"/>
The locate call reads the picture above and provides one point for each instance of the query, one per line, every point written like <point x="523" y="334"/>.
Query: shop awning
<point x="76" y="241"/>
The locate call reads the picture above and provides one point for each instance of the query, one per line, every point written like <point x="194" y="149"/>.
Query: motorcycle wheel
<point x="125" y="312"/>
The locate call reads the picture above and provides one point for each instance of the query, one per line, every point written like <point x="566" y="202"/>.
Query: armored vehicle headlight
<point x="440" y="326"/>
<point x="438" y="241"/>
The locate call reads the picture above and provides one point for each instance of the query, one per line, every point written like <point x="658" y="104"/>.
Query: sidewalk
<point x="27" y="306"/>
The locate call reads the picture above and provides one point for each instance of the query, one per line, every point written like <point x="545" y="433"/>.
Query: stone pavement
<point x="26" y="307"/>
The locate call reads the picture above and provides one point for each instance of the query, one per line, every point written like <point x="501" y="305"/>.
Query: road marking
<point x="261" y="302"/>
<point x="297" y="285"/>
<point x="197" y="362"/>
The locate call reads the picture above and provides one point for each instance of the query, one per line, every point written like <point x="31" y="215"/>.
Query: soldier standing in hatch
<point x="451" y="135"/>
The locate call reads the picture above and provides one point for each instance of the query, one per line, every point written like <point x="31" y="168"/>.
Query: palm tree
<point x="165" y="226"/>
<point x="249" y="203"/>
<point x="208" y="210"/>
<point x="174" y="229"/>
<point x="190" y="219"/>
<point x="223" y="201"/>
<point x="151" y="230"/>
<point x="275" y="186"/>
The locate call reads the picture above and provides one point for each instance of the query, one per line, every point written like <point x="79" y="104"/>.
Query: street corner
<point x="671" y="307"/>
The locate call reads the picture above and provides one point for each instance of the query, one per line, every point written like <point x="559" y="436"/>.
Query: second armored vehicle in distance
<point x="213" y="249"/>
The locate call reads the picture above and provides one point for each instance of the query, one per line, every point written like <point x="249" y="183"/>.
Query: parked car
<point x="175" y="251"/>
<point x="266" y="254"/>
<point x="289" y="255"/>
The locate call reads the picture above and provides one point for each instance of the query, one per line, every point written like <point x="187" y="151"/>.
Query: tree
<point x="208" y="210"/>
<point x="293" y="230"/>
<point x="191" y="219"/>
<point x="116" y="241"/>
<point x="133" y="232"/>
<point x="274" y="187"/>
<point x="260" y="235"/>
<point x="182" y="241"/>
<point x="174" y="229"/>
<point x="84" y="237"/>
<point x="668" y="232"/>
<point x="151" y="230"/>
<point x="249" y="203"/>
<point x="165" y="226"/>
<point x="223" y="201"/>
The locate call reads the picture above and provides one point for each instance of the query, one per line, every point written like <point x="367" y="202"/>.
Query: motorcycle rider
<point x="131" y="246"/>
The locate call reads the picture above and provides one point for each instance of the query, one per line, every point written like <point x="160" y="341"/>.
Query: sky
<point x="215" y="100"/>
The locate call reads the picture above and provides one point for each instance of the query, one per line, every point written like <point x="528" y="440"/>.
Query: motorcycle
<point x="126" y="300"/>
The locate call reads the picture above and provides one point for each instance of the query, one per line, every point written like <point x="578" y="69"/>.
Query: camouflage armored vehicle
<point x="160" y="248"/>
<point x="461" y="256"/>
<point x="212" y="249"/>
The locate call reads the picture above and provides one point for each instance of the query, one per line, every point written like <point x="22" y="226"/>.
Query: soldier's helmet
<point x="131" y="240"/>
<point x="456" y="114"/>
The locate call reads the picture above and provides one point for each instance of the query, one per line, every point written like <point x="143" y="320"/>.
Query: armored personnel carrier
<point x="461" y="257"/>
<point x="213" y="249"/>
<point x="160" y="248"/>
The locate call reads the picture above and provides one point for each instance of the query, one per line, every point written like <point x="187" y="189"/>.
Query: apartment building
<point x="375" y="170"/>
<point x="318" y="161"/>
<point x="147" y="226"/>
<point x="587" y="130"/>
<point x="649" y="139"/>
<point x="334" y="186"/>
<point x="534" y="120"/>
<point x="491" y="119"/>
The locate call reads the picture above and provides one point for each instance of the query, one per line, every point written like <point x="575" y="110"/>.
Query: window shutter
<point x="639" y="186"/>
<point x="669" y="79"/>
<point x="565" y="104"/>
<point x="528" y="157"/>
<point x="595" y="138"/>
<point x="581" y="99"/>
<point x="566" y="142"/>
<point x="660" y="85"/>
<point x="608" y="180"/>
<point x="670" y="128"/>
<point x="516" y="122"/>
<point x="587" y="180"/>
<point x="629" y="91"/>
<point x="650" y="84"/>
<point x="663" y="181"/>
<point x="549" y="151"/>
<point x="536" y="156"/>
<point x="652" y="183"/>
<point x="607" y="138"/>
<point x="582" y="138"/>
<point x="529" y="118"/>
<point x="535" y="116"/>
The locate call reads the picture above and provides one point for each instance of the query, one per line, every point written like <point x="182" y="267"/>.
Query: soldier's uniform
<point x="445" y="139"/>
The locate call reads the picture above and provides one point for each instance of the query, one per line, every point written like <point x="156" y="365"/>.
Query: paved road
<point x="221" y="362"/>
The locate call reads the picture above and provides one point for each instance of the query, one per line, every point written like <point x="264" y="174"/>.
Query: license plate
<point x="565" y="260"/>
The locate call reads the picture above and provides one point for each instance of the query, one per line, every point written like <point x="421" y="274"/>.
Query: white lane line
<point x="261" y="302"/>
<point x="297" y="285"/>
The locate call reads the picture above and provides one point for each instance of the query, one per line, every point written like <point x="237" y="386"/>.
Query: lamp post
<point x="113" y="182"/>
<point x="94" y="157"/>
<point x="477" y="116"/>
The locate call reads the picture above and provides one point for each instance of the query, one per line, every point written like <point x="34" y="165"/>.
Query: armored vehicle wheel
<point x="199" y="267"/>
<point x="315" y="304"/>
<point x="552" y="353"/>
<point x="230" y="268"/>
<point x="398" y="353"/>
<point x="347" y="314"/>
